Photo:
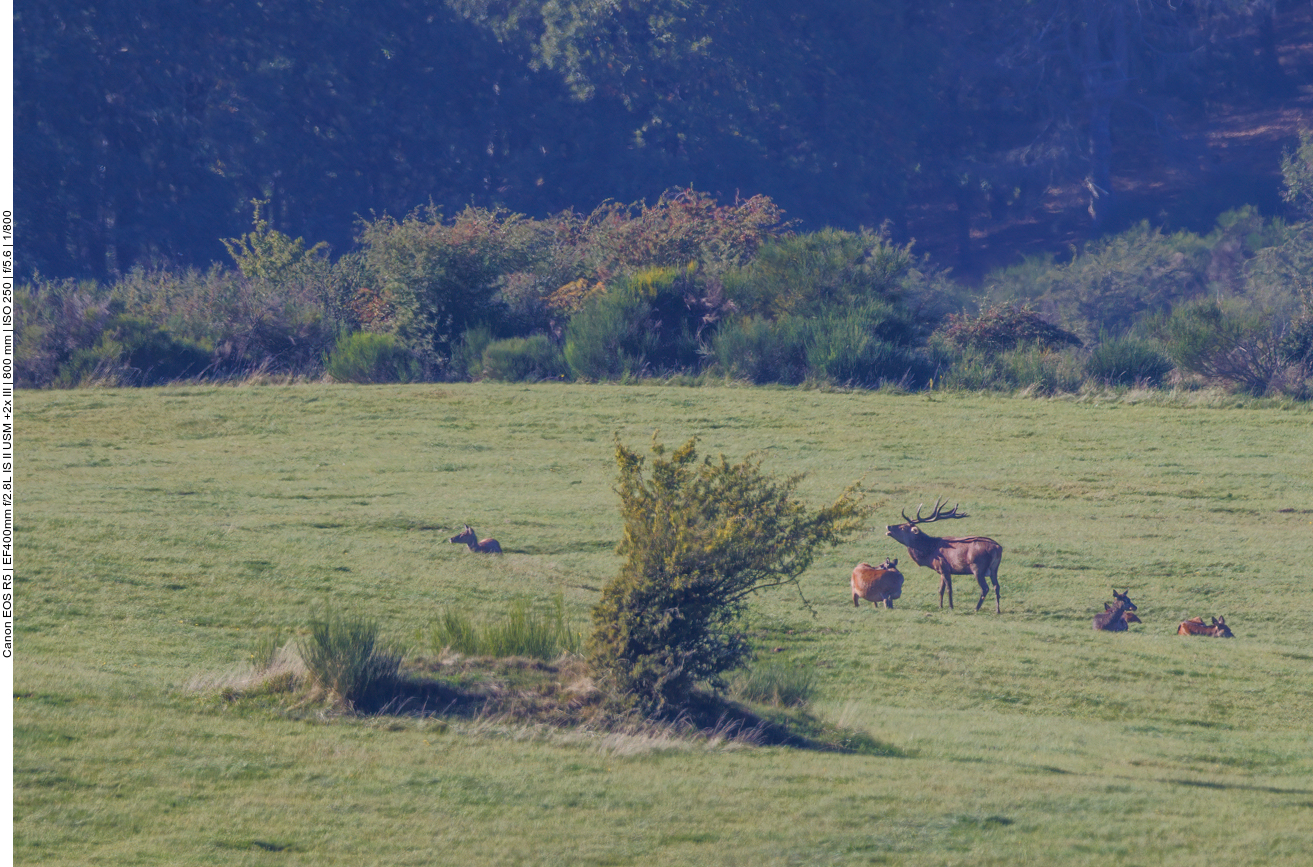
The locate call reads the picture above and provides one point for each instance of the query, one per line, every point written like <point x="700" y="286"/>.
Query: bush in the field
<point x="863" y="346"/>
<point x="1228" y="344"/>
<point x="646" y="322"/>
<point x="366" y="357"/>
<point x="700" y="537"/>
<point x="760" y="350"/>
<point x="1001" y="327"/>
<point x="524" y="359"/>
<point x="1128" y="361"/>
<point x="131" y="351"/>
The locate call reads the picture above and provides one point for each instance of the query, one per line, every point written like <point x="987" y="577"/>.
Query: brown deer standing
<point x="876" y="584"/>
<point x="949" y="556"/>
<point x="1195" y="626"/>
<point x="469" y="537"/>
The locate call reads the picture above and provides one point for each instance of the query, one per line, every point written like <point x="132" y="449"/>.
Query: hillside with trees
<point x="866" y="194"/>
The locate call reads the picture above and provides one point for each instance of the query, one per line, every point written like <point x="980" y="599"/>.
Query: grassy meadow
<point x="163" y="533"/>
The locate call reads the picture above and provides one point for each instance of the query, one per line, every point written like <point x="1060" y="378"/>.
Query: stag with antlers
<point x="949" y="556"/>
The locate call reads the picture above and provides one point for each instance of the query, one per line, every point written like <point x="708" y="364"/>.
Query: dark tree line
<point x="144" y="129"/>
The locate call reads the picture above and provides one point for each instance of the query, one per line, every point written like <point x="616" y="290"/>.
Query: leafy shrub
<point x="1128" y="361"/>
<point x="522" y="632"/>
<point x="609" y="338"/>
<point x="1233" y="346"/>
<point x="777" y="684"/>
<point x="762" y="351"/>
<point x="438" y="277"/>
<point x="264" y="253"/>
<point x="52" y="321"/>
<point x="647" y="322"/>
<point x="699" y="539"/>
<point x="130" y="352"/>
<point x="1114" y="282"/>
<point x="805" y="275"/>
<point x="523" y="359"/>
<point x="252" y="324"/>
<point x="365" y="357"/>
<point x="345" y="657"/>
<point x="861" y="346"/>
<point x="467" y="360"/>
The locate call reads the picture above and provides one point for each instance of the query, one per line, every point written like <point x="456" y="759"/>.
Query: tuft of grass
<point x="523" y="631"/>
<point x="266" y="650"/>
<point x="345" y="657"/>
<point x="775" y="684"/>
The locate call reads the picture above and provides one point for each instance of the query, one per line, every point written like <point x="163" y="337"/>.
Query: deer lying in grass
<point x="469" y="537"/>
<point x="1117" y="614"/>
<point x="1195" y="626"/>
<point x="876" y="584"/>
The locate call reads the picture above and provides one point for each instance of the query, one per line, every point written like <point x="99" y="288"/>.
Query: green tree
<point x="700" y="537"/>
<point x="440" y="277"/>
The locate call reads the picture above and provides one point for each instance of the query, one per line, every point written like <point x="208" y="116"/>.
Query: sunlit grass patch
<point x="775" y="683"/>
<point x="521" y="631"/>
<point x="924" y="728"/>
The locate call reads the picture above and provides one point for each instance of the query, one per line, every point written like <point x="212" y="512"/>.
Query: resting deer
<point x="949" y="556"/>
<point x="1195" y="626"/>
<point x="1117" y="615"/>
<point x="469" y="537"/>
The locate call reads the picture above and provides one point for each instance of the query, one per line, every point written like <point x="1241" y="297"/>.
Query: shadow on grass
<point x="785" y="727"/>
<point x="561" y="695"/>
<point x="1245" y="787"/>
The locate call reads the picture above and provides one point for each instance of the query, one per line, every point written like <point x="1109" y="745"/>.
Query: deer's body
<point x="876" y="584"/>
<point x="469" y="537"/>
<point x="1117" y="614"/>
<point x="1195" y="626"/>
<point x="966" y="555"/>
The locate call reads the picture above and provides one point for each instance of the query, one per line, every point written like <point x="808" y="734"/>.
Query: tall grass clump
<point x="366" y="357"/>
<point x="762" y="351"/>
<point x="1029" y="368"/>
<point x="864" y="346"/>
<point x="775" y="684"/>
<point x="524" y="359"/>
<point x="523" y="631"/>
<point x="1128" y="361"/>
<point x="346" y="658"/>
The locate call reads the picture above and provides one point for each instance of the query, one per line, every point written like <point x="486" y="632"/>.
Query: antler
<point x="937" y="515"/>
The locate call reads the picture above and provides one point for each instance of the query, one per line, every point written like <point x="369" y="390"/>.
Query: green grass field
<point x="162" y="533"/>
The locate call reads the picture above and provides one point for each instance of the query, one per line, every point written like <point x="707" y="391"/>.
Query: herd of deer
<point x="980" y="556"/>
<point x="949" y="556"/>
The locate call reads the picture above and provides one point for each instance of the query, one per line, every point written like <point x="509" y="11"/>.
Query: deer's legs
<point x="945" y="582"/>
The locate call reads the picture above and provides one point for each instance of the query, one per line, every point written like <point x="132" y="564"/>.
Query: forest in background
<point x="459" y="169"/>
<point x="145" y="129"/>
